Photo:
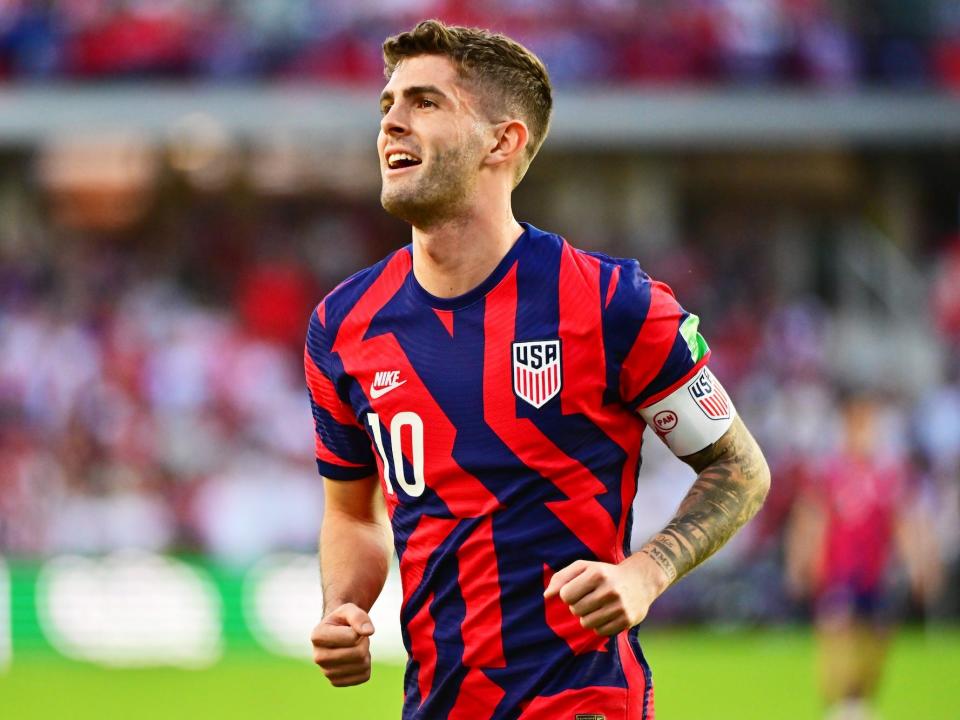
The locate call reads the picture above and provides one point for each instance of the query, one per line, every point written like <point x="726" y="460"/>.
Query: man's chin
<point x="404" y="207"/>
<point x="422" y="205"/>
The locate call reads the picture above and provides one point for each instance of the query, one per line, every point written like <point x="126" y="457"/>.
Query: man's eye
<point x="384" y="109"/>
<point x="423" y="102"/>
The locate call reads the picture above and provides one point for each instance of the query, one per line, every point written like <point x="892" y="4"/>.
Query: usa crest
<point x="537" y="375"/>
<point x="710" y="396"/>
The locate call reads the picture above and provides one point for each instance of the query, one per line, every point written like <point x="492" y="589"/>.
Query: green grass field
<point x="698" y="674"/>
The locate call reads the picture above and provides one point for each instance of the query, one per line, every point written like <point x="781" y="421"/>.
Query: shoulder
<point x="628" y="290"/>
<point x="629" y="297"/>
<point x="330" y="312"/>
<point x="625" y="270"/>
<point x="545" y="242"/>
<point x="621" y="280"/>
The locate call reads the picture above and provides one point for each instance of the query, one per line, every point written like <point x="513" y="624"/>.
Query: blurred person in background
<point x="857" y="512"/>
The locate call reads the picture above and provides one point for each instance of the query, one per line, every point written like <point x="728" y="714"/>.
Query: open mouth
<point x="399" y="160"/>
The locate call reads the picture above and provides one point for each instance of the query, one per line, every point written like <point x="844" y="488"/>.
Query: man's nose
<point x="394" y="123"/>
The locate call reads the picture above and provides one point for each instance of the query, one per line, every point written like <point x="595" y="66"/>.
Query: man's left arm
<point x="732" y="482"/>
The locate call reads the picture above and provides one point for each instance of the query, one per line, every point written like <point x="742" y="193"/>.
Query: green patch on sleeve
<point x="698" y="346"/>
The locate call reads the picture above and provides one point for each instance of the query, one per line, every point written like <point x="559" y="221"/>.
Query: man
<point x="852" y="518"/>
<point x="492" y="384"/>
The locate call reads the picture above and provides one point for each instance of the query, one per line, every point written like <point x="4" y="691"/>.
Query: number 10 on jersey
<point x="401" y="420"/>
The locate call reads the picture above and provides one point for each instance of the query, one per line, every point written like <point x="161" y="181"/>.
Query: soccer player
<point x="491" y="384"/>
<point x="851" y="518"/>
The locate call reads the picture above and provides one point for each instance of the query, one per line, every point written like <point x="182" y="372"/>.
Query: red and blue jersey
<point x="859" y="497"/>
<point x="504" y="427"/>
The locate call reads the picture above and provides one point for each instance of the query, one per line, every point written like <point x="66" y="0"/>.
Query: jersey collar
<point x="459" y="302"/>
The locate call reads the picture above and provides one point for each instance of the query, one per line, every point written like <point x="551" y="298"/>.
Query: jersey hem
<point x="339" y="472"/>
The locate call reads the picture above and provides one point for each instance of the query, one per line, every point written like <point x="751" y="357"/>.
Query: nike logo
<point x="385" y="381"/>
<point x="378" y="392"/>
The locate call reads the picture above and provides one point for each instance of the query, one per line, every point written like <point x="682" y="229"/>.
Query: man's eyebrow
<point x="413" y="91"/>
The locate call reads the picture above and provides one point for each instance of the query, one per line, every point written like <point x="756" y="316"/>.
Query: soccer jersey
<point x="859" y="497"/>
<point x="505" y="426"/>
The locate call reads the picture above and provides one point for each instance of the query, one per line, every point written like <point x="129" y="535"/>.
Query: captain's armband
<point x="693" y="416"/>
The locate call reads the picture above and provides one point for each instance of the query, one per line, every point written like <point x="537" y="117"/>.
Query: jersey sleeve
<point x="664" y="376"/>
<point x="342" y="447"/>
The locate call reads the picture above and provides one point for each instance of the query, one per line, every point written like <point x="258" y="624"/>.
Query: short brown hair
<point x="505" y="70"/>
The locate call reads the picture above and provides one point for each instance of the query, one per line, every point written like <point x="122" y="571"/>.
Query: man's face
<point x="431" y="142"/>
<point x="860" y="416"/>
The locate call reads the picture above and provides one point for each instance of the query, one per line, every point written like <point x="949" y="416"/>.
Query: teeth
<point x="394" y="158"/>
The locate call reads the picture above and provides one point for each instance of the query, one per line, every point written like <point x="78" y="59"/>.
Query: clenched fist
<point x="341" y="645"/>
<point x="609" y="598"/>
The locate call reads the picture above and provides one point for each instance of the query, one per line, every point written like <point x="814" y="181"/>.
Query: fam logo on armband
<point x="537" y="375"/>
<point x="665" y="421"/>
<point x="710" y="396"/>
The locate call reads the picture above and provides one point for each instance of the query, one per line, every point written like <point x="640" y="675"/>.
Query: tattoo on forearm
<point x="731" y="486"/>
<point x="662" y="559"/>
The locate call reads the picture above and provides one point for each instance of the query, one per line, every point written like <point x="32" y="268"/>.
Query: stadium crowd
<point x="152" y="396"/>
<point x="824" y="43"/>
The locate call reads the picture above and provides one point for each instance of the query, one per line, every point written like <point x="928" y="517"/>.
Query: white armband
<point x="693" y="416"/>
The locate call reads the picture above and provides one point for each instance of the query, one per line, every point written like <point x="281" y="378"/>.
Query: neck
<point x="454" y="256"/>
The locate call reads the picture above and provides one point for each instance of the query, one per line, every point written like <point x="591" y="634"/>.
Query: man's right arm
<point x="355" y="549"/>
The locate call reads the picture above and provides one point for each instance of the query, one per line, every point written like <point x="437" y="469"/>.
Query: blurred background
<point x="181" y="182"/>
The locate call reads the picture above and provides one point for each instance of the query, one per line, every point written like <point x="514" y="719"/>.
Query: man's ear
<point x="510" y="141"/>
